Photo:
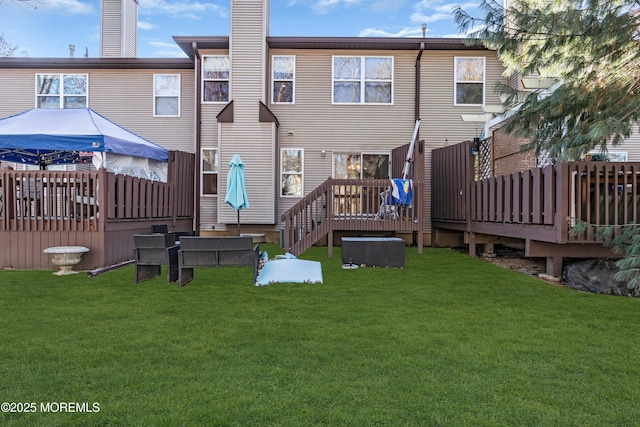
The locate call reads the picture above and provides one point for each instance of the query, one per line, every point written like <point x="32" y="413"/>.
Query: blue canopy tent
<point x="62" y="136"/>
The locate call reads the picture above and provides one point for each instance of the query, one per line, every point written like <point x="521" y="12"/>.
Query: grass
<point x="446" y="341"/>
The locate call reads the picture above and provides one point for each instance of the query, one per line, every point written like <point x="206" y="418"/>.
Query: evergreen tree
<point x="591" y="47"/>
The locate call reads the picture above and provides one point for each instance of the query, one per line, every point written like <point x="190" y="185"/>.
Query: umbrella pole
<point x="238" y="222"/>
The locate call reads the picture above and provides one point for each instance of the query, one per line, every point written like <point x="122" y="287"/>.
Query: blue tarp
<point x="55" y="136"/>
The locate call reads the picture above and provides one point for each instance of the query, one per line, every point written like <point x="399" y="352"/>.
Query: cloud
<point x="430" y="11"/>
<point x="144" y="25"/>
<point x="75" y="7"/>
<point x="386" y="6"/>
<point x="322" y="7"/>
<point x="181" y="8"/>
<point x="403" y="32"/>
<point x="162" y="49"/>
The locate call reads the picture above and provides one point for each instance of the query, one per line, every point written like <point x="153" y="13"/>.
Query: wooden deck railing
<point x="601" y="193"/>
<point x="84" y="201"/>
<point x="48" y="201"/>
<point x="540" y="204"/>
<point x="350" y="205"/>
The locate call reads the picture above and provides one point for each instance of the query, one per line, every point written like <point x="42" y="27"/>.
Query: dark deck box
<point x="373" y="251"/>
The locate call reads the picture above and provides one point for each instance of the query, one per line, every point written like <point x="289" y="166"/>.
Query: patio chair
<point x="163" y="229"/>
<point x="152" y="251"/>
<point x="159" y="229"/>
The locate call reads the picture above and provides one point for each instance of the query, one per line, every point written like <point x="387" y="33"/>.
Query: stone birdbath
<point x="66" y="257"/>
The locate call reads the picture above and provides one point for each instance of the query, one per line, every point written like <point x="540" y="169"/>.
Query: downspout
<point x="416" y="150"/>
<point x="417" y="101"/>
<point x="196" y="186"/>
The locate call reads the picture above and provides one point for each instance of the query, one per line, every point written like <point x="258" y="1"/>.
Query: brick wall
<point x="507" y="155"/>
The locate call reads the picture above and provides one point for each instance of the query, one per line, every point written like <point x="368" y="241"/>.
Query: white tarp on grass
<point x="290" y="271"/>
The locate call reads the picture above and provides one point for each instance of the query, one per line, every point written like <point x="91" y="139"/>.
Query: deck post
<point x="554" y="266"/>
<point x="472" y="244"/>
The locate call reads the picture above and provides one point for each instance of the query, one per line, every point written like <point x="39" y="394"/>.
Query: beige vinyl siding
<point x="110" y="28"/>
<point x="131" y="106"/>
<point x="18" y="91"/>
<point x="130" y="29"/>
<point x="318" y="124"/>
<point x="209" y="139"/>
<point x="127" y="100"/>
<point x="118" y="28"/>
<point x="259" y="171"/>
<point x="248" y="58"/>
<point x="254" y="141"/>
<point x="631" y="146"/>
<point x="441" y="121"/>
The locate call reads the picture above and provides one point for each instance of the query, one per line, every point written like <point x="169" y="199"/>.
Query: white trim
<point x="292" y="80"/>
<point x="361" y="154"/>
<point x="455" y="80"/>
<point x="61" y="95"/>
<point x="301" y="173"/>
<point x="228" y="80"/>
<point x="362" y="80"/>
<point x="179" y="96"/>
<point x="203" y="173"/>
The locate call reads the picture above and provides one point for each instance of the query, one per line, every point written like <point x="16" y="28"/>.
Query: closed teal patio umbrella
<point x="236" y="191"/>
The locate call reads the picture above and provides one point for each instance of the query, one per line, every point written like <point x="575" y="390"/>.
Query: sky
<point x="46" y="28"/>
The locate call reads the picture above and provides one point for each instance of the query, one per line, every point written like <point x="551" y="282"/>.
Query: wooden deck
<point x="99" y="210"/>
<point x="358" y="206"/>
<point x="351" y="205"/>
<point x="538" y="206"/>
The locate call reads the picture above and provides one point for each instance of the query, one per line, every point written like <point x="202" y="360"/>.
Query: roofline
<point x="97" y="63"/>
<point x="334" y="43"/>
<point x="372" y="43"/>
<point x="189" y="43"/>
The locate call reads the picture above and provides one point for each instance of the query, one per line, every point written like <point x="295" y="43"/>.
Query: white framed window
<point x="215" y="78"/>
<point x="291" y="172"/>
<point x="283" y="78"/>
<point x="166" y="95"/>
<point x="361" y="165"/>
<point x="352" y="199"/>
<point x="469" y="80"/>
<point x="362" y="80"/>
<point x="209" y="172"/>
<point x="609" y="156"/>
<point x="62" y="90"/>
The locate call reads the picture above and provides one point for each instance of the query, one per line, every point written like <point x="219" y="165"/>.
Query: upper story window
<point x="215" y="78"/>
<point x="284" y="70"/>
<point x="362" y="80"/>
<point x="61" y="90"/>
<point x="469" y="81"/>
<point x="166" y="95"/>
<point x="209" y="177"/>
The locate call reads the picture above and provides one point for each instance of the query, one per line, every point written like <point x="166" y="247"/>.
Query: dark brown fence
<point x="48" y="200"/>
<point x="541" y="204"/>
<point x="601" y="193"/>
<point x="452" y="174"/>
<point x="100" y="210"/>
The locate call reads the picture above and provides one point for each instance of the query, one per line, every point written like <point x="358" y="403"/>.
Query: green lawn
<point x="446" y="341"/>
